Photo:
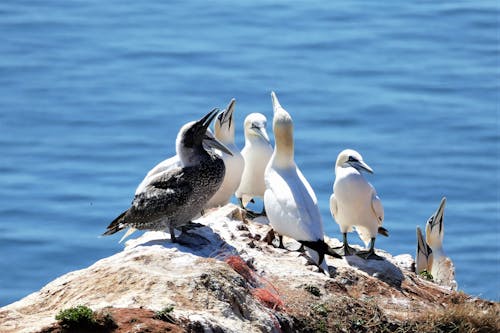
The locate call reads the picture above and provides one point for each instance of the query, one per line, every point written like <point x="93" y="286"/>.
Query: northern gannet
<point x="256" y="153"/>
<point x="291" y="205"/>
<point x="224" y="132"/>
<point x="354" y="203"/>
<point x="172" y="198"/>
<point x="432" y="256"/>
<point x="423" y="252"/>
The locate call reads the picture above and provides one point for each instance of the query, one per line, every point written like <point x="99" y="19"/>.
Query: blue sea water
<point x="92" y="94"/>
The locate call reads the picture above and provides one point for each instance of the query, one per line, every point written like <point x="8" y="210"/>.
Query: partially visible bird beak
<point x="228" y="113"/>
<point x="423" y="252"/>
<point x="212" y="142"/>
<point x="260" y="131"/>
<point x="276" y="102"/>
<point x="362" y="165"/>
<point x="439" y="216"/>
<point x="207" y="119"/>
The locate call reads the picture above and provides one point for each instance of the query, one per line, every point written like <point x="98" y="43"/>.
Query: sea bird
<point x="355" y="203"/>
<point x="290" y="202"/>
<point x="256" y="153"/>
<point x="430" y="255"/>
<point x="171" y="199"/>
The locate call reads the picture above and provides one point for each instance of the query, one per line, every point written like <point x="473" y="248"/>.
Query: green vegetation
<point x="426" y="275"/>
<point x="313" y="290"/>
<point x="320" y="309"/>
<point x="165" y="314"/>
<point x="77" y="317"/>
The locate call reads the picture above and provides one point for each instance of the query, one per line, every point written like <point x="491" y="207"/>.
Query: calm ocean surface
<point x="93" y="93"/>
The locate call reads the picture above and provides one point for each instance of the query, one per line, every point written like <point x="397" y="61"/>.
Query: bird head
<point x="195" y="136"/>
<point x="351" y="158"/>
<point x="434" y="228"/>
<point x="255" y="127"/>
<point x="224" y="124"/>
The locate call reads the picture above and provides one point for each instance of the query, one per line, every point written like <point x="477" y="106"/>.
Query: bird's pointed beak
<point x="227" y="115"/>
<point x="362" y="165"/>
<point x="261" y="131"/>
<point x="210" y="141"/>
<point x="439" y="216"/>
<point x="276" y="102"/>
<point x="421" y="244"/>
<point x="207" y="119"/>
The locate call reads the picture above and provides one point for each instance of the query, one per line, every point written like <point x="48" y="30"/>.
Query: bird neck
<point x="224" y="134"/>
<point x="191" y="156"/>
<point x="438" y="251"/>
<point x="341" y="171"/>
<point x="283" y="155"/>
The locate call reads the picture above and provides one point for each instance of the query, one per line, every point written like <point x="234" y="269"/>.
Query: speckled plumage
<point x="176" y="197"/>
<point x="173" y="197"/>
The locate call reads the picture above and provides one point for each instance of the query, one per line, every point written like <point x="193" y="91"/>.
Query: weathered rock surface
<point x="223" y="277"/>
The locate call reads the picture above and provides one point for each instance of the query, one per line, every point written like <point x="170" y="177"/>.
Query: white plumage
<point x="256" y="153"/>
<point x="355" y="203"/>
<point x="431" y="255"/>
<point x="290" y="202"/>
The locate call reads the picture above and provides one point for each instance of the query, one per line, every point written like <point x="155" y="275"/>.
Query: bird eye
<point x="352" y="159"/>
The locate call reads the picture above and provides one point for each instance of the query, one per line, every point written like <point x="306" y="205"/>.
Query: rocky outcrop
<point x="222" y="277"/>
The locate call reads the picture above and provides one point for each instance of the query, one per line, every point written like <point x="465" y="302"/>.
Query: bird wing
<point x="164" y="193"/>
<point x="333" y="205"/>
<point x="163" y="166"/>
<point x="290" y="207"/>
<point x="422" y="255"/>
<point x="377" y="207"/>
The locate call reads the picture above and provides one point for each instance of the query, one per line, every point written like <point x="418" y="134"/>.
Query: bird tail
<point x="383" y="231"/>
<point x="322" y="248"/>
<point x="116" y="225"/>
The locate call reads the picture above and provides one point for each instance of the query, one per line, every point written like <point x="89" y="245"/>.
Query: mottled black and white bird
<point x="172" y="198"/>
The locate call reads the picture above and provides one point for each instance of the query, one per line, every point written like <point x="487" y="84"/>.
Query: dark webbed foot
<point x="370" y="254"/>
<point x="345" y="250"/>
<point x="190" y="226"/>
<point x="252" y="214"/>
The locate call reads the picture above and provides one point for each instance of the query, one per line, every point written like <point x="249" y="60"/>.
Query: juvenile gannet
<point x="172" y="198"/>
<point x="256" y="153"/>
<point x="438" y="263"/>
<point x="224" y="132"/>
<point x="354" y="203"/>
<point x="291" y="205"/>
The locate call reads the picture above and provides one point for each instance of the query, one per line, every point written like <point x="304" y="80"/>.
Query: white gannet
<point x="438" y="263"/>
<point x="291" y="205"/>
<point x="422" y="255"/>
<point x="224" y="132"/>
<point x="172" y="198"/>
<point x="354" y="203"/>
<point x="256" y="153"/>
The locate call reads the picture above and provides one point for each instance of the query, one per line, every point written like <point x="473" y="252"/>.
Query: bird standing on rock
<point x="355" y="203"/>
<point x="290" y="202"/>
<point x="430" y="254"/>
<point x="256" y="153"/>
<point x="172" y="198"/>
